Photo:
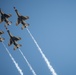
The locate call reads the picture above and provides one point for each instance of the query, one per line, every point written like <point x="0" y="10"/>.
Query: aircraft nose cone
<point x="14" y="7"/>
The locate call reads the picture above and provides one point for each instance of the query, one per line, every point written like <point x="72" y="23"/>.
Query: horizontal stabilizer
<point x="8" y="23"/>
<point x="1" y="32"/>
<point x="1" y="39"/>
<point x="16" y="47"/>
<point x="24" y="26"/>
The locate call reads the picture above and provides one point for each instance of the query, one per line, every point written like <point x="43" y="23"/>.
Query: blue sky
<point x="53" y="25"/>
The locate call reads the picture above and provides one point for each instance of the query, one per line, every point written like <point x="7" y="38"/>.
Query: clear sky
<point x="53" y="25"/>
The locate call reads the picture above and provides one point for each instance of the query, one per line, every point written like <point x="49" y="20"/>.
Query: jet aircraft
<point x="13" y="40"/>
<point x="1" y="39"/>
<point x="4" y="17"/>
<point x="21" y="19"/>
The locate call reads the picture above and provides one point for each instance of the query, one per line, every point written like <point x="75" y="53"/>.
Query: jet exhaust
<point x="43" y="55"/>
<point x="27" y="63"/>
<point x="15" y="63"/>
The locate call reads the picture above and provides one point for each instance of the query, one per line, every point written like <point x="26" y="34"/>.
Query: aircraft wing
<point x="25" y="17"/>
<point x="7" y="15"/>
<point x="18" y="21"/>
<point x="1" y="32"/>
<point x="1" y="19"/>
<point x="16" y="38"/>
<point x="10" y="42"/>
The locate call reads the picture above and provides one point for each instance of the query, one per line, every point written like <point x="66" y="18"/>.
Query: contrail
<point x="43" y="55"/>
<point x="16" y="64"/>
<point x="27" y="63"/>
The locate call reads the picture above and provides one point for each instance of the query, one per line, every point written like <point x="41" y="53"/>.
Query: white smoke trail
<point x="43" y="55"/>
<point x="28" y="63"/>
<point x="16" y="64"/>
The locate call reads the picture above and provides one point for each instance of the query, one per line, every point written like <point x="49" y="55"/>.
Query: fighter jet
<point x="1" y="39"/>
<point x="13" y="40"/>
<point x="21" y="19"/>
<point x="4" y="17"/>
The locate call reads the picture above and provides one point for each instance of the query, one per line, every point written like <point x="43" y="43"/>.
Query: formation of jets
<point x="21" y="19"/>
